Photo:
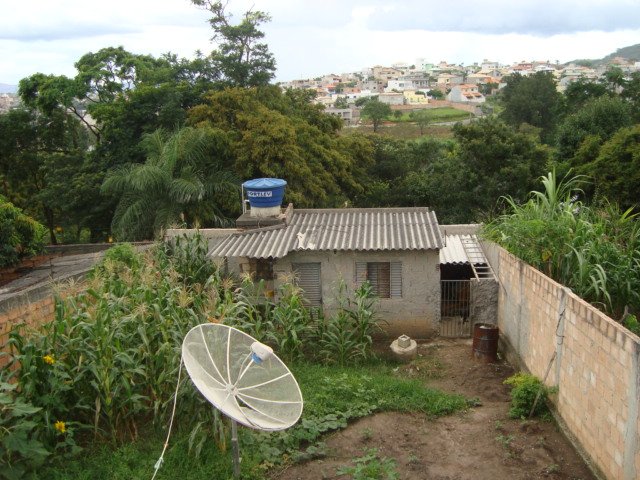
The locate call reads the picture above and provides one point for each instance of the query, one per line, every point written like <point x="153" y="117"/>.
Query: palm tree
<point x="172" y="186"/>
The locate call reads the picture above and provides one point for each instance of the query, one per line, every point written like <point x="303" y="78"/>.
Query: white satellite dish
<point x="242" y="378"/>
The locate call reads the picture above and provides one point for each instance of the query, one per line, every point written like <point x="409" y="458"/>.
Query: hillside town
<point x="422" y="84"/>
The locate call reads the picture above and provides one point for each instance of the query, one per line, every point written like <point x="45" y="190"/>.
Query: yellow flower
<point x="48" y="359"/>
<point x="61" y="427"/>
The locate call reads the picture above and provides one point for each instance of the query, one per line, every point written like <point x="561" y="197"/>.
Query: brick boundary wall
<point x="595" y="366"/>
<point x="31" y="313"/>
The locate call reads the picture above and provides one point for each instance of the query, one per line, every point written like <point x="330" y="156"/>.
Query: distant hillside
<point x="5" y="88"/>
<point x="632" y="53"/>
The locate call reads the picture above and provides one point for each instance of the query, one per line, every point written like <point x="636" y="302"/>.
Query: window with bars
<point x="384" y="277"/>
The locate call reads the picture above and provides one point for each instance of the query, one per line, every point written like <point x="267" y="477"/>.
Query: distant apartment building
<point x="412" y="81"/>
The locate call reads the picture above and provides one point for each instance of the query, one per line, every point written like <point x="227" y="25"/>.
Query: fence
<point x="593" y="361"/>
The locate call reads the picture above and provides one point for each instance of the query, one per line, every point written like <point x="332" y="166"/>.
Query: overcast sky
<point x="309" y="39"/>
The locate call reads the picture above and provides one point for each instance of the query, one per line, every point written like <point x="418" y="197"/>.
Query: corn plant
<point x="594" y="250"/>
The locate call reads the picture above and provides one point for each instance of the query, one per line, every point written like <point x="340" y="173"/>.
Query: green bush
<point x="20" y="236"/>
<point x="525" y="389"/>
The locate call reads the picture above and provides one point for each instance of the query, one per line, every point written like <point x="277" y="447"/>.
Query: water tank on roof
<point x="265" y="195"/>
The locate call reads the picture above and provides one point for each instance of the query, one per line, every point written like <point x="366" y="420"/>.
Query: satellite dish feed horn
<point x="242" y="378"/>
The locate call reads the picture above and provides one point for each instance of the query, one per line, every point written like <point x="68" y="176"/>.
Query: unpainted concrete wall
<point x="416" y="314"/>
<point x="596" y="363"/>
<point x="484" y="301"/>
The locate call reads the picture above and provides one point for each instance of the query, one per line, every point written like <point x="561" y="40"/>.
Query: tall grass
<point x="592" y="249"/>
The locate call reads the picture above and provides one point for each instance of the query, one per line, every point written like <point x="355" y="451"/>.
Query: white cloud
<point x="310" y="39"/>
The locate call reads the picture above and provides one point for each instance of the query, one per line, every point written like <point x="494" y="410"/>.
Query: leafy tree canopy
<point x="533" y="100"/>
<point x="241" y="59"/>
<point x="616" y="169"/>
<point x="488" y="161"/>
<point x="272" y="133"/>
<point x="376" y="111"/>
<point x="178" y="184"/>
<point x="601" y="117"/>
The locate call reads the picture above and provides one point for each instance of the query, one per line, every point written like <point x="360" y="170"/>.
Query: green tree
<point x="177" y="184"/>
<point x="579" y="92"/>
<point x="341" y="102"/>
<point x="437" y="94"/>
<point x="422" y="118"/>
<point x="20" y="235"/>
<point x="272" y="133"/>
<point x="489" y="160"/>
<point x="601" y="117"/>
<point x="616" y="170"/>
<point x="376" y="111"/>
<point x="34" y="149"/>
<point x="533" y="100"/>
<point x="241" y="59"/>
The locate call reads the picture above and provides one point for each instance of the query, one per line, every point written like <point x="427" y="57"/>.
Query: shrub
<point x="20" y="236"/>
<point x="525" y="389"/>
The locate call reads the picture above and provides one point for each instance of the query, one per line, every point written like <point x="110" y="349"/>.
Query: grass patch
<point x="334" y="396"/>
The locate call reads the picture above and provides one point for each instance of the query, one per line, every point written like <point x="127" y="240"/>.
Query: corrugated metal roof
<point x="339" y="229"/>
<point x="453" y="251"/>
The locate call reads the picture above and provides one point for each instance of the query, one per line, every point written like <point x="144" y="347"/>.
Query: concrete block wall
<point x="416" y="314"/>
<point x="595" y="366"/>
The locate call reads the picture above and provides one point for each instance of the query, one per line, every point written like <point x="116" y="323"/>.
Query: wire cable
<point x="158" y="464"/>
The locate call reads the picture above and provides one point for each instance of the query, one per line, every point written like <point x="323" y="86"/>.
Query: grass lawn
<point x="334" y="396"/>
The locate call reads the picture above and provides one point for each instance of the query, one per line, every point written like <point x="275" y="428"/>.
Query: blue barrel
<point x="265" y="192"/>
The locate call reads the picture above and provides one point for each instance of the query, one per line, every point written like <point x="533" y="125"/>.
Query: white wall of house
<point x="416" y="314"/>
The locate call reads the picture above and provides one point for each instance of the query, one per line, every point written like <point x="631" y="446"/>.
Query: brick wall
<point x="595" y="366"/>
<point x="30" y="312"/>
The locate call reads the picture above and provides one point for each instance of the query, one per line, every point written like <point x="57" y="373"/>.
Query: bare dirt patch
<point x="480" y="444"/>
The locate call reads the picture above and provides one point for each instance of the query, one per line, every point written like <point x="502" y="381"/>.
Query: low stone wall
<point x="591" y="359"/>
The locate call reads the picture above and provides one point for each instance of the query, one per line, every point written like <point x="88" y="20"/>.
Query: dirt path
<point x="481" y="444"/>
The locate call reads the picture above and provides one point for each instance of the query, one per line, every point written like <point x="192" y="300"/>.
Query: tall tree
<point x="376" y="111"/>
<point x="271" y="133"/>
<point x="533" y="100"/>
<point x="243" y="61"/>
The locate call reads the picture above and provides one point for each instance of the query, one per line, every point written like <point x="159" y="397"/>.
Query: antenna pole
<point x="236" y="451"/>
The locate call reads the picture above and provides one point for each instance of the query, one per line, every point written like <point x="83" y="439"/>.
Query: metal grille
<point x="455" y="300"/>
<point x="308" y="278"/>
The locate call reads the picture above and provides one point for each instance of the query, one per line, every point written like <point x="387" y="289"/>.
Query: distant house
<point x="351" y="116"/>
<point x="411" y="97"/>
<point x="465" y="94"/>
<point x="448" y="80"/>
<point x="391" y="98"/>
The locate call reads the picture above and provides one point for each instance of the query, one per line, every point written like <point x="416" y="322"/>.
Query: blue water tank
<point x="265" y="192"/>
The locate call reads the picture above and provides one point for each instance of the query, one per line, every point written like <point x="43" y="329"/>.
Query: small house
<point x="429" y="279"/>
<point x="395" y="249"/>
